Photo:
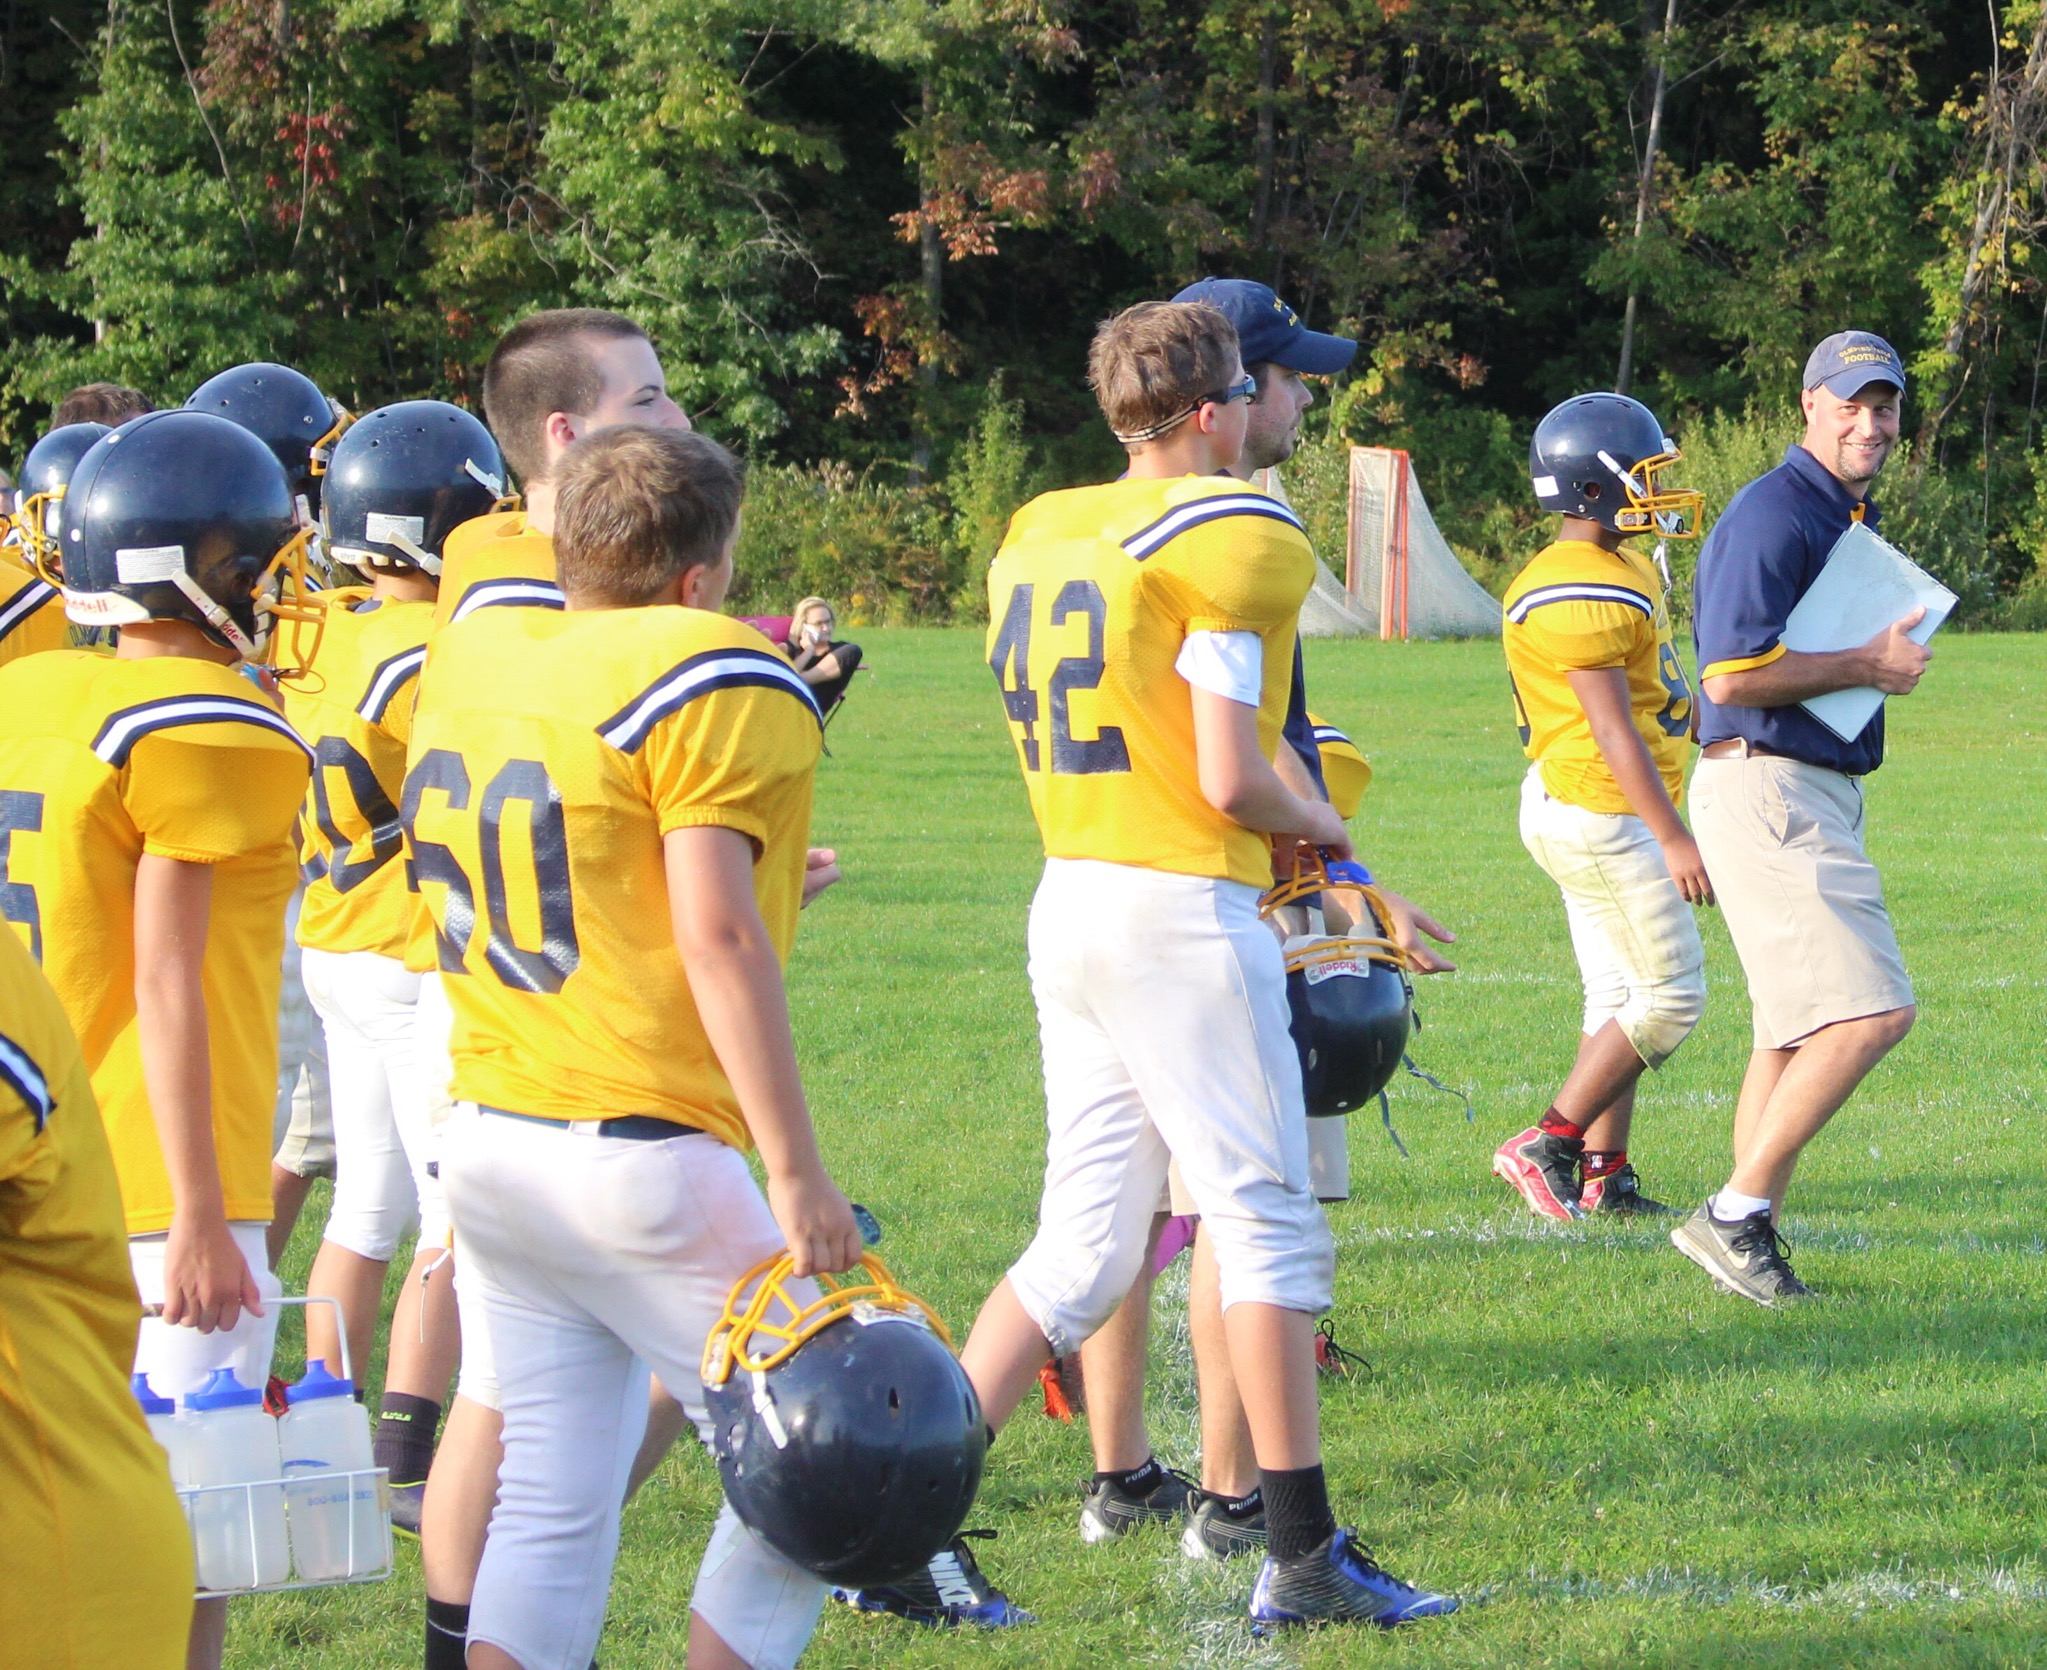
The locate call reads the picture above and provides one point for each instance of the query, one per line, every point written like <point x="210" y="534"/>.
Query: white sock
<point x="1730" y="1205"/>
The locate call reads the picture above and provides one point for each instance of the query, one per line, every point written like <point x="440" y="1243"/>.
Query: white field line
<point x="1881" y="1589"/>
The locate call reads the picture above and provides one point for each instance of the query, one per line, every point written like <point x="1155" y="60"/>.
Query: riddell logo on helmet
<point x="1318" y="972"/>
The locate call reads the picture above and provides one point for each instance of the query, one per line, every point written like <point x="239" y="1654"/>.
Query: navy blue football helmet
<point x="847" y="1434"/>
<point x="45" y="476"/>
<point x="1599" y="456"/>
<point x="185" y="516"/>
<point x="402" y="479"/>
<point x="1350" y="1003"/>
<point x="286" y="411"/>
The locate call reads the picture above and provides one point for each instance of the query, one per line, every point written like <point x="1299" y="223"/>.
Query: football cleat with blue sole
<point x="949" y="1592"/>
<point x="1338" y="1582"/>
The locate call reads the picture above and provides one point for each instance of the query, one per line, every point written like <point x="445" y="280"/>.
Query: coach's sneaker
<point x="1222" y="1527"/>
<point x="1544" y="1169"/>
<point x="1337" y="1582"/>
<point x="1619" y="1194"/>
<point x="1147" y="1495"/>
<point x="948" y="1592"/>
<point x="1745" y="1258"/>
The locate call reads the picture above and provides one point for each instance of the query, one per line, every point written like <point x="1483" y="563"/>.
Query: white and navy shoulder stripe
<point x="716" y="669"/>
<point x="1328" y="736"/>
<point x="1148" y="541"/>
<point x="123" y="729"/>
<point x="24" y="603"/>
<point x="507" y="594"/>
<point x="390" y="678"/>
<point x="1578" y="591"/>
<point x="22" y="1076"/>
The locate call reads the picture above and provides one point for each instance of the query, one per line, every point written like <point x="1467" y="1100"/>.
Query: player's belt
<point x="628" y="1127"/>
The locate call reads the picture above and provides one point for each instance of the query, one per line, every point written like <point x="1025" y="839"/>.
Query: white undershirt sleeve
<point x="1226" y="664"/>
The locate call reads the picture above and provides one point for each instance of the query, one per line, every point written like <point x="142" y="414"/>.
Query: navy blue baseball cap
<point x="1267" y="329"/>
<point x="1849" y="361"/>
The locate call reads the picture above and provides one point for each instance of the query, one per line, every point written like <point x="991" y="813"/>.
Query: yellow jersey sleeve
<point x="26" y="1103"/>
<point x="1228" y="563"/>
<point x="1580" y="633"/>
<point x="198" y="790"/>
<point x="1346" y="773"/>
<point x="719" y="740"/>
<point x="31" y="616"/>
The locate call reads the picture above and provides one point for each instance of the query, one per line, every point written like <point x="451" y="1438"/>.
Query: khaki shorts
<point x="1783" y="843"/>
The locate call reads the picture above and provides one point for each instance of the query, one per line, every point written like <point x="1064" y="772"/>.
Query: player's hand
<point x="1688" y="869"/>
<point x="820" y="870"/>
<point x="206" y="1281"/>
<point x="1321" y="827"/>
<point x="1896" y="663"/>
<point x="816" y="1221"/>
<point x="1409" y="924"/>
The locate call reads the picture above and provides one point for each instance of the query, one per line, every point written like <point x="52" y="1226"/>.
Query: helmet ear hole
<point x="1591" y="490"/>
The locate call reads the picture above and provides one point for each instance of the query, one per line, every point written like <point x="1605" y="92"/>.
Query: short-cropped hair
<point x="108" y="403"/>
<point x="636" y="507"/>
<point x="540" y="366"/>
<point x="1152" y="361"/>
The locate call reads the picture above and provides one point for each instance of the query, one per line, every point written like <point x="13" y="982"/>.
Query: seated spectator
<point x="827" y="665"/>
<point x="108" y="403"/>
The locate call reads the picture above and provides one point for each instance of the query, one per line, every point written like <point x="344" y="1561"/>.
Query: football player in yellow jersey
<point x="1142" y="635"/>
<point x="553" y="378"/>
<point x="147" y="800"/>
<point x="98" y="1566"/>
<point x="401" y="479"/>
<point x="31" y="611"/>
<point x="1605" y="714"/>
<point x="613" y="1061"/>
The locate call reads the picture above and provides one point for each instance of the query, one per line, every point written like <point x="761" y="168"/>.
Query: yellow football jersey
<point x="497" y="558"/>
<point x="31" y="615"/>
<point x="98" y="1570"/>
<point x="355" y="710"/>
<point x="1346" y="773"/>
<point x="1090" y="599"/>
<point x="1576" y="606"/>
<point x="102" y="760"/>
<point x="551" y="752"/>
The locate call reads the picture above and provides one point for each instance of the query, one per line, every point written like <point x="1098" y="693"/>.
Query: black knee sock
<point x="1138" y="1481"/>
<point x="1297" y="1515"/>
<point x="404" y="1439"/>
<point x="447" y="1634"/>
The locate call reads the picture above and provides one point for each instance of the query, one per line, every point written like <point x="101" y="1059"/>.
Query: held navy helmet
<point x="848" y="1436"/>
<point x="45" y="476"/>
<point x="1350" y="1004"/>
<point x="286" y="411"/>
<point x="1599" y="456"/>
<point x="184" y="516"/>
<point x="402" y="479"/>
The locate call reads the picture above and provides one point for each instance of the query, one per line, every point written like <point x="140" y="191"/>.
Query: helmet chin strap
<point x="217" y="617"/>
<point x="421" y="557"/>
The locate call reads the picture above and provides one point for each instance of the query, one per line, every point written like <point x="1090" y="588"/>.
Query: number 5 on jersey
<point x="1009" y="658"/>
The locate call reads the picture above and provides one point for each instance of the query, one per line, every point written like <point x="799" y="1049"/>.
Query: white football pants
<point x="1637" y="942"/>
<point x="368" y="1005"/>
<point x="595" y="1257"/>
<point x="1162" y="1013"/>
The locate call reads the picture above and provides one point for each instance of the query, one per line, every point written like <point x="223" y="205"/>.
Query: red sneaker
<point x="1544" y="1169"/>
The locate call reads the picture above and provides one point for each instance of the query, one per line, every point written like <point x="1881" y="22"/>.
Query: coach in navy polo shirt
<point x="1777" y="806"/>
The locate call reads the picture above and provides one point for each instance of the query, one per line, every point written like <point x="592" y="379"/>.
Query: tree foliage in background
<point x="872" y="237"/>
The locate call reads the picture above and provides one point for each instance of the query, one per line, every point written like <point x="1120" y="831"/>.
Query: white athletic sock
<point x="1730" y="1205"/>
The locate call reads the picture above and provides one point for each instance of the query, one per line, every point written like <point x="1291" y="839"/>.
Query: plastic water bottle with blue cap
<point x="172" y="1435"/>
<point x="333" y="1495"/>
<point x="237" y="1500"/>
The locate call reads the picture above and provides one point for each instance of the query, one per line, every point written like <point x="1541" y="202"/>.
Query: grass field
<point x="1565" y="1424"/>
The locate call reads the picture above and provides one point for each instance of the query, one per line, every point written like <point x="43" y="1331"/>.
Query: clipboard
<point x="1866" y="585"/>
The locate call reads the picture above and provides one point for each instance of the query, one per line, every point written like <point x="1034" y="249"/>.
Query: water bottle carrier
<point x="345" y="1482"/>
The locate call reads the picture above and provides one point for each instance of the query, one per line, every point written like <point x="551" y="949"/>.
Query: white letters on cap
<point x="147" y="565"/>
